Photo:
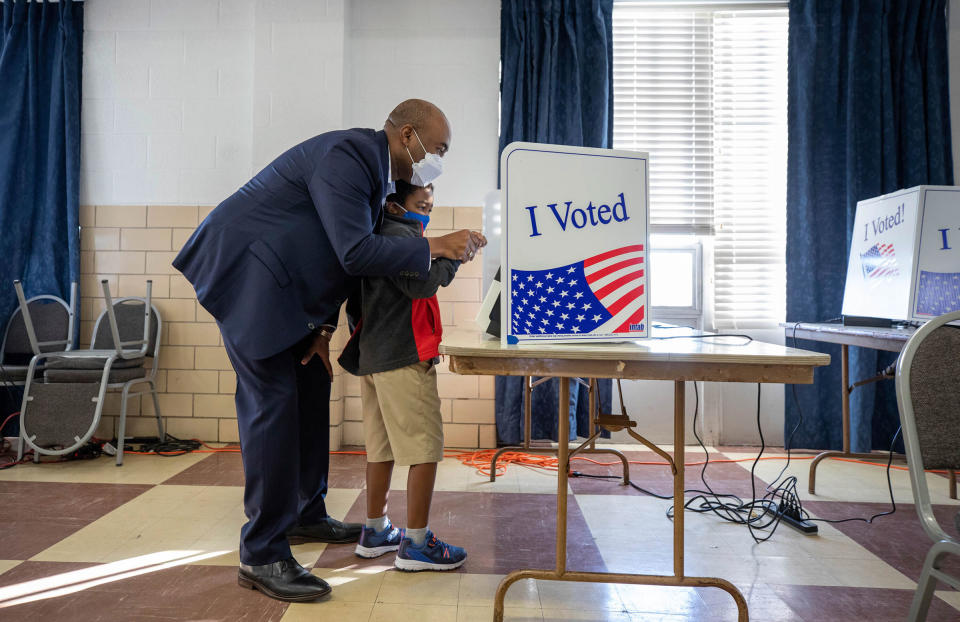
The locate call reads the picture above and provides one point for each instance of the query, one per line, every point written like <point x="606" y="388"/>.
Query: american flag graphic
<point x="938" y="293"/>
<point x="601" y="294"/>
<point x="879" y="261"/>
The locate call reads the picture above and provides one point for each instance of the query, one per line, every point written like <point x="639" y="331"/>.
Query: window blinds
<point x="704" y="91"/>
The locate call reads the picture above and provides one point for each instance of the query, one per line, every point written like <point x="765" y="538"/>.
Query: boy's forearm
<point x="441" y="274"/>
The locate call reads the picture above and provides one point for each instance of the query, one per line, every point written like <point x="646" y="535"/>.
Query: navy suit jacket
<point x="278" y="257"/>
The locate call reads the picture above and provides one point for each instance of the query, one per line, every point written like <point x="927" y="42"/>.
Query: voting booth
<point x="574" y="244"/>
<point x="905" y="255"/>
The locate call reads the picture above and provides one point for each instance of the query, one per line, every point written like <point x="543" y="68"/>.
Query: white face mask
<point x="426" y="170"/>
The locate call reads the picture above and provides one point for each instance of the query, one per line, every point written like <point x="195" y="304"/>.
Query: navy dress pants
<point x="283" y="412"/>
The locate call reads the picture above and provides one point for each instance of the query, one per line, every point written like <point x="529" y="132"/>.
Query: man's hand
<point x="459" y="245"/>
<point x="478" y="238"/>
<point x="320" y="347"/>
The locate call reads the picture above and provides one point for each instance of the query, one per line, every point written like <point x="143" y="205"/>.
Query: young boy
<point x="394" y="350"/>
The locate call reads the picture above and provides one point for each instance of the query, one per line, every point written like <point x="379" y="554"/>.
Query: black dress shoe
<point x="329" y="530"/>
<point x="284" y="580"/>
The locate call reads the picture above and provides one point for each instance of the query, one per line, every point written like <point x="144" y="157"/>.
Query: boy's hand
<point x="320" y="347"/>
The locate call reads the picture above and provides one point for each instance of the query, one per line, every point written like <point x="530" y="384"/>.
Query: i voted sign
<point x="574" y="247"/>
<point x="905" y="255"/>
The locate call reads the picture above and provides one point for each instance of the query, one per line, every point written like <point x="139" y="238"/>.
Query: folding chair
<point x="60" y="413"/>
<point x="928" y="395"/>
<point x="41" y="324"/>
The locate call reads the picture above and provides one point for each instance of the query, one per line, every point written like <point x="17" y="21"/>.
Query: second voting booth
<point x="905" y="255"/>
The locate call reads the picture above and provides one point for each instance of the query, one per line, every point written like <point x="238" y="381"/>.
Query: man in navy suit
<point x="273" y="263"/>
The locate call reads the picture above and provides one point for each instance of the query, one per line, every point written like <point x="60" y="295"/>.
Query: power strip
<point x="790" y="516"/>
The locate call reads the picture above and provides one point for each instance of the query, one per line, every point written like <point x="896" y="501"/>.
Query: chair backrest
<point x="928" y="396"/>
<point x="52" y="323"/>
<point x="130" y="320"/>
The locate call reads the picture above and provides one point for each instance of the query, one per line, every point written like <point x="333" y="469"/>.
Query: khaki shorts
<point x="401" y="415"/>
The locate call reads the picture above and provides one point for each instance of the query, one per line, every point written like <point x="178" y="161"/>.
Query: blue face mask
<point x="423" y="218"/>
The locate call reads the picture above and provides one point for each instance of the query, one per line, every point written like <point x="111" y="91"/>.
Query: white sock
<point x="417" y="536"/>
<point x="378" y="524"/>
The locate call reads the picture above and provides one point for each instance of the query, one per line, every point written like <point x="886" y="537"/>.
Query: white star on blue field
<point x="554" y="301"/>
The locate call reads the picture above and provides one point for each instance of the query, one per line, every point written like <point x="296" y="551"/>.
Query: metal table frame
<point x="590" y="447"/>
<point x="875" y="337"/>
<point x="726" y="368"/>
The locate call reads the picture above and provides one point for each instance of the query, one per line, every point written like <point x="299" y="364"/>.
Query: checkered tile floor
<point x="157" y="540"/>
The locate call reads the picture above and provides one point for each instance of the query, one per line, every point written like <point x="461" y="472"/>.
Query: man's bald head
<point x="411" y="123"/>
<point x="415" y="112"/>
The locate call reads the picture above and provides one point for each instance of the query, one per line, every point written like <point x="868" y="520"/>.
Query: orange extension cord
<point x="480" y="459"/>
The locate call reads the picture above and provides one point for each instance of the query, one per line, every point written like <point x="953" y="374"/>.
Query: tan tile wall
<point x="129" y="244"/>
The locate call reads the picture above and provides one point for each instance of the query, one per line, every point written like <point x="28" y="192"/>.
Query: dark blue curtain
<point x="41" y="47"/>
<point x="556" y="87"/>
<point x="868" y="114"/>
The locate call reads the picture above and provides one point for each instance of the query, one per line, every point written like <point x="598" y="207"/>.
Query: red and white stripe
<point x="614" y="278"/>
<point x="887" y="266"/>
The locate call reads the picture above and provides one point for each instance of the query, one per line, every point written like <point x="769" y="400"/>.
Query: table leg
<point x="845" y="390"/>
<point x="678" y="579"/>
<point x="679" y="436"/>
<point x="845" y="395"/>
<point x="529" y="384"/>
<point x="844" y="418"/>
<point x="592" y="408"/>
<point x="563" y="471"/>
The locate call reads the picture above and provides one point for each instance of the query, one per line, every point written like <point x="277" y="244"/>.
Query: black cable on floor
<point x="169" y="447"/>
<point x="780" y="497"/>
<point x="795" y="504"/>
<point x="756" y="514"/>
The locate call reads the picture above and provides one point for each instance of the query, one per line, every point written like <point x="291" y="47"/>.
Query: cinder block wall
<point x="128" y="244"/>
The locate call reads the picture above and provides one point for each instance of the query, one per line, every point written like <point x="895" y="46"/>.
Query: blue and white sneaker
<point x="433" y="555"/>
<point x="373" y="544"/>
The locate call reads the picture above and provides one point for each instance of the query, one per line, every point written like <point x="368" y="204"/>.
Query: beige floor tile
<point x="163" y="518"/>
<point x="826" y="549"/>
<point x="584" y="596"/>
<point x="453" y="476"/>
<point x="103" y="470"/>
<point x="206" y="519"/>
<point x="659" y="562"/>
<point x="340" y="500"/>
<point x="739" y="570"/>
<point x="795" y="570"/>
<point x="848" y="481"/>
<point x="601" y="513"/>
<point x="399" y="479"/>
<point x="7" y="564"/>
<point x="396" y="612"/>
<point x="485" y="614"/>
<point x="328" y="611"/>
<point x="658" y="598"/>
<point x="717" y="548"/>
<point x="306" y="554"/>
<point x="352" y="585"/>
<point x="71" y="581"/>
<point x="538" y="481"/>
<point x="743" y="570"/>
<point x="478" y="590"/>
<point x="508" y="482"/>
<point x="787" y="542"/>
<point x="949" y="596"/>
<point x="868" y="573"/>
<point x="584" y="615"/>
<point x="420" y="588"/>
